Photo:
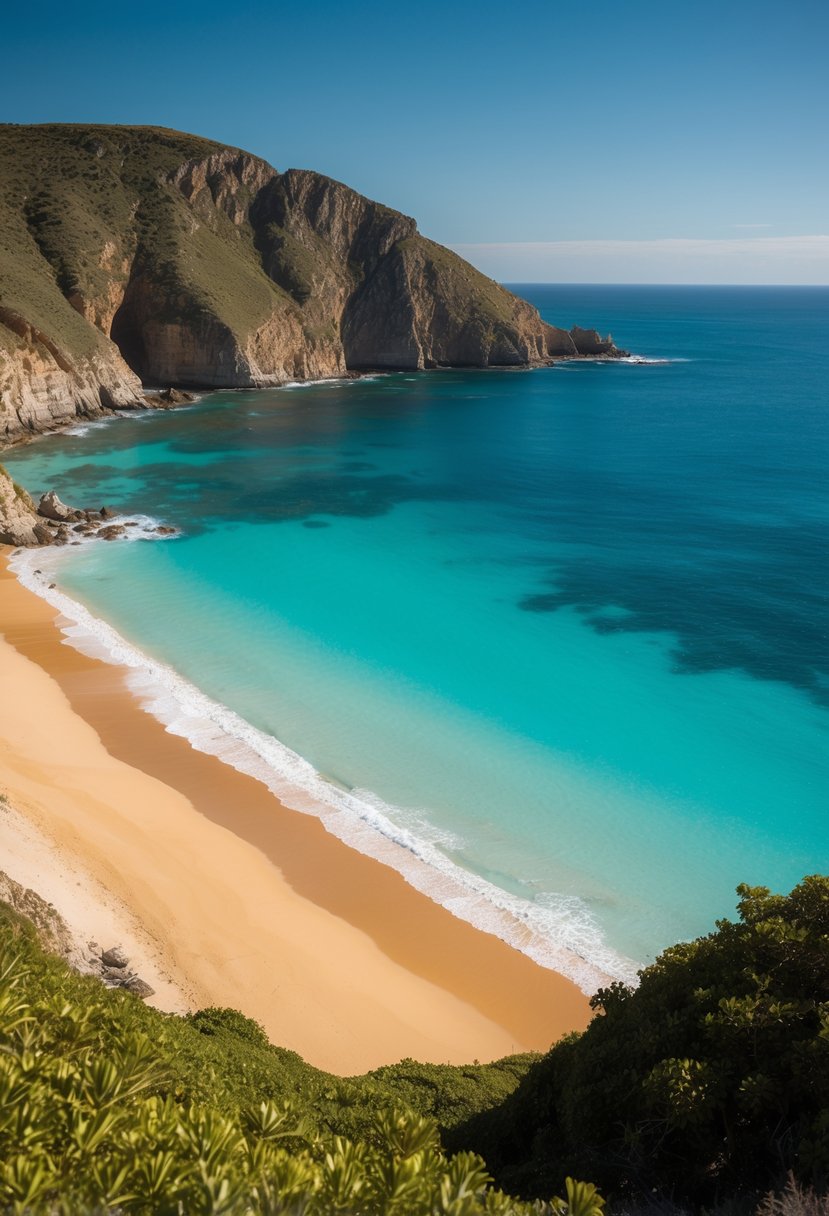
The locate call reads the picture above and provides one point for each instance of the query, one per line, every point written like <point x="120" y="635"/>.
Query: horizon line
<point x="655" y="283"/>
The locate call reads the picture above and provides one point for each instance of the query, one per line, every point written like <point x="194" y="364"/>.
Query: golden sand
<point x="232" y="898"/>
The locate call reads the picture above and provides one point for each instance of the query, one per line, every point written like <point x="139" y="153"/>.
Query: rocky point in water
<point x="52" y="522"/>
<point x="138" y="255"/>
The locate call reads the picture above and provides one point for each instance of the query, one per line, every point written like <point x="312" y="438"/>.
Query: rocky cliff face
<point x="18" y="515"/>
<point x="138" y="254"/>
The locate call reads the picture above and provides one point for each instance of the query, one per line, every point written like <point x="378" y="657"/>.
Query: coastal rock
<point x="589" y="342"/>
<point x="114" y="957"/>
<point x="19" y="521"/>
<point x="42" y="535"/>
<point x="51" y="507"/>
<point x="208" y="268"/>
<point x="168" y="398"/>
<point x="138" y="987"/>
<point x="24" y="525"/>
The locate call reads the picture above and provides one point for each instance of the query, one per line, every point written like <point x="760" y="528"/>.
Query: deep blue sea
<point x="553" y="642"/>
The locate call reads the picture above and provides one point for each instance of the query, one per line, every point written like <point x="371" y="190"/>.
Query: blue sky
<point x="626" y="141"/>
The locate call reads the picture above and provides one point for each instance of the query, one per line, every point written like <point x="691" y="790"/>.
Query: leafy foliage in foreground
<point x="708" y="1081"/>
<point x="707" y="1084"/>
<point x="108" y="1106"/>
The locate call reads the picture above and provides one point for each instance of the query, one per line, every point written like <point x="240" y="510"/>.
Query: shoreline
<point x="338" y="956"/>
<point x="199" y="392"/>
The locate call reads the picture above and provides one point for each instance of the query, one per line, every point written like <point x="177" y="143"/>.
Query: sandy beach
<point x="224" y="896"/>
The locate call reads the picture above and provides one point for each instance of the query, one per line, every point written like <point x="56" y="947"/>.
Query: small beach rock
<point x="138" y="987"/>
<point x="106" y="513"/>
<point x="114" y="957"/>
<point x="164" y="530"/>
<point x="112" y="532"/>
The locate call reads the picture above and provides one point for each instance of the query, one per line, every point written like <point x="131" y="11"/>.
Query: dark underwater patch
<point x="750" y="613"/>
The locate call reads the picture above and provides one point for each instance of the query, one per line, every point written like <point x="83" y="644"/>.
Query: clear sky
<point x="633" y="140"/>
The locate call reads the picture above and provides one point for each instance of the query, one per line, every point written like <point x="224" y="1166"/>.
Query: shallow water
<point x="561" y="633"/>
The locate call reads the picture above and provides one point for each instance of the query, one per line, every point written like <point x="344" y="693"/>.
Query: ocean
<point x="552" y="642"/>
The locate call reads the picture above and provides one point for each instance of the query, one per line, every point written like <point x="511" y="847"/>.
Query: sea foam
<point x="557" y="931"/>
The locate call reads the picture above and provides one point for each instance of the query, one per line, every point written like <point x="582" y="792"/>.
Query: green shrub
<point x="228" y="1021"/>
<point x="711" y="1079"/>
<point x="108" y="1106"/>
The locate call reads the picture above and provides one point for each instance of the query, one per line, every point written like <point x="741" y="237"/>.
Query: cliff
<point x="18" y="514"/>
<point x="137" y="254"/>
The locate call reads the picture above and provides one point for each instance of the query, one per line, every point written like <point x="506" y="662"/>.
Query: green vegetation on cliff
<point x="130" y="252"/>
<point x="706" y="1085"/>
<point x="109" y="1105"/>
<point x="709" y="1080"/>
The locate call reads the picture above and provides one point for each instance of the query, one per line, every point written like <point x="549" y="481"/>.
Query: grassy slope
<point x="105" y="1099"/>
<point x="68" y="192"/>
<point x="78" y="203"/>
<point x="223" y="1058"/>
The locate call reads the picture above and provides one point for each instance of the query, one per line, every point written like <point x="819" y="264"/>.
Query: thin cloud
<point x="740" y="259"/>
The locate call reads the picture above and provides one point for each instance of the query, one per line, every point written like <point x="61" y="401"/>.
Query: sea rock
<point x="114" y="957"/>
<point x="168" y="398"/>
<point x="112" y="532"/>
<point x="23" y="524"/>
<point x="51" y="507"/>
<point x="589" y="342"/>
<point x="43" y="535"/>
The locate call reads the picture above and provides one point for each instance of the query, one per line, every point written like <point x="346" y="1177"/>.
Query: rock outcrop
<point x="589" y="344"/>
<point x="52" y="522"/>
<point x="52" y="930"/>
<point x="18" y="515"/>
<point x="135" y="254"/>
<point x="55" y="936"/>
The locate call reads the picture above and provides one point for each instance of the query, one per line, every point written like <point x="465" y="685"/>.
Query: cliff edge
<point x="138" y="255"/>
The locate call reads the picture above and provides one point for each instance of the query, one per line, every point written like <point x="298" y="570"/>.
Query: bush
<point x="711" y="1079"/>
<point x="228" y="1021"/>
<point x="98" y="1115"/>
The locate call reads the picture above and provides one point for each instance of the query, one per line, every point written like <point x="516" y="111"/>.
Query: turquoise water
<point x="561" y="630"/>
